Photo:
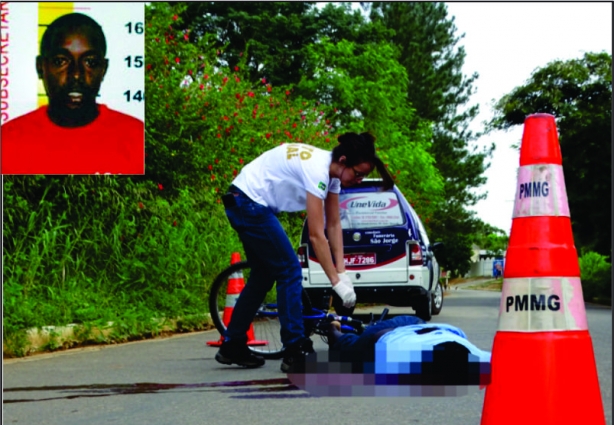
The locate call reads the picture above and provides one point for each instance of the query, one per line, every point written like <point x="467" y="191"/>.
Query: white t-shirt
<point x="281" y="177"/>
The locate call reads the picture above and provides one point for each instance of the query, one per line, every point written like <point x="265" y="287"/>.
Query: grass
<point x="490" y="285"/>
<point x="79" y="250"/>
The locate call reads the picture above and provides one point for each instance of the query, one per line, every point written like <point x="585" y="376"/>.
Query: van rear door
<point x="375" y="235"/>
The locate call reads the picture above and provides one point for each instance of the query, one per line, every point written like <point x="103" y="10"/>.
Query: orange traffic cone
<point x="235" y="286"/>
<point x="543" y="365"/>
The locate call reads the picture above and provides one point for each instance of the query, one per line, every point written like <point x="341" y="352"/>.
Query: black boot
<point x="294" y="356"/>
<point x="237" y="352"/>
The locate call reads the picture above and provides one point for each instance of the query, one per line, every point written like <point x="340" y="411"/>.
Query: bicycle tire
<point x="266" y="326"/>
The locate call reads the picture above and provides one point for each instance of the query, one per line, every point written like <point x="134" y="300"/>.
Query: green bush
<point x="596" y="277"/>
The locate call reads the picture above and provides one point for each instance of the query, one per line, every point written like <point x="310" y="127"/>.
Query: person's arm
<point x="333" y="228"/>
<point x="315" y="214"/>
<point x="342" y="284"/>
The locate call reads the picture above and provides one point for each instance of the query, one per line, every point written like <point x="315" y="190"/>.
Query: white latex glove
<point x="346" y="293"/>
<point x="345" y="278"/>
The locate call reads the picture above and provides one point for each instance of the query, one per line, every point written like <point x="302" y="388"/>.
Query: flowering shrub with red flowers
<point x="205" y="120"/>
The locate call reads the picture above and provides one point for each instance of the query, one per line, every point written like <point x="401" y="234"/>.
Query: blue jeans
<point x="365" y="342"/>
<point x="271" y="258"/>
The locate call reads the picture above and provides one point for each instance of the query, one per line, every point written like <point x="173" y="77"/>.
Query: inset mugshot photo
<point x="72" y="95"/>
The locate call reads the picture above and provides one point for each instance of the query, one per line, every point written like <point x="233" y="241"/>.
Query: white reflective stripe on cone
<point x="542" y="304"/>
<point x="231" y="300"/>
<point x="236" y="275"/>
<point x="540" y="191"/>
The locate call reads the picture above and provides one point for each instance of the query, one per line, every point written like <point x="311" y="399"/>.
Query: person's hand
<point x="346" y="293"/>
<point x="345" y="278"/>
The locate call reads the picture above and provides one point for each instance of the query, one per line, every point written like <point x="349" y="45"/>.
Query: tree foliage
<point x="491" y="239"/>
<point x="578" y="92"/>
<point x="596" y="273"/>
<point x="428" y="45"/>
<point x="278" y="33"/>
<point x="275" y="31"/>
<point x="367" y="86"/>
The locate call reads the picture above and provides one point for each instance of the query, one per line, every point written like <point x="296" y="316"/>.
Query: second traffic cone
<point x="236" y="284"/>
<point x="543" y="365"/>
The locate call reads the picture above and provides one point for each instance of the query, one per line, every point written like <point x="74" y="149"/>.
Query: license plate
<point x="359" y="259"/>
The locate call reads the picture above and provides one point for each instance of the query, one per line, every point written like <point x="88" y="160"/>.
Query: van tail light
<point x="301" y="253"/>
<point x="415" y="254"/>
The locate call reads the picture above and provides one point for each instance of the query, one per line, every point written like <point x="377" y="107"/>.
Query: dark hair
<point x="70" y="24"/>
<point x="359" y="148"/>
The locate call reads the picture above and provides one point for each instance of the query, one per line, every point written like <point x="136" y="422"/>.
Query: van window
<point x="421" y="228"/>
<point x="370" y="209"/>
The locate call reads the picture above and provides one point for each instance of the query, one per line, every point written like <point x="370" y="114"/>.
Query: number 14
<point x="138" y="96"/>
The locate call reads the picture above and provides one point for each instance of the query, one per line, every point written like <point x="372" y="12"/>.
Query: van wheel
<point x="437" y="296"/>
<point x="340" y="310"/>
<point x="423" y="307"/>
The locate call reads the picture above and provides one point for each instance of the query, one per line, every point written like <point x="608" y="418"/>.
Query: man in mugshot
<point x="73" y="134"/>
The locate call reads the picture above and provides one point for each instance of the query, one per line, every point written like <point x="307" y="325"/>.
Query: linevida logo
<point x="362" y="202"/>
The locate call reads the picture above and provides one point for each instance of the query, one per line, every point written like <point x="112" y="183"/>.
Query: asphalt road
<point x="177" y="381"/>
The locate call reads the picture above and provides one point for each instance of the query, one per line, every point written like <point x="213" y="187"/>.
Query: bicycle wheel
<point x="266" y="338"/>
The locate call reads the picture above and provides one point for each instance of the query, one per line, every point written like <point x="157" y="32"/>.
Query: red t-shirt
<point x="113" y="143"/>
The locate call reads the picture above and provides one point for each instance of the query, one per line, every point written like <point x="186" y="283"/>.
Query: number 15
<point x="138" y="61"/>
